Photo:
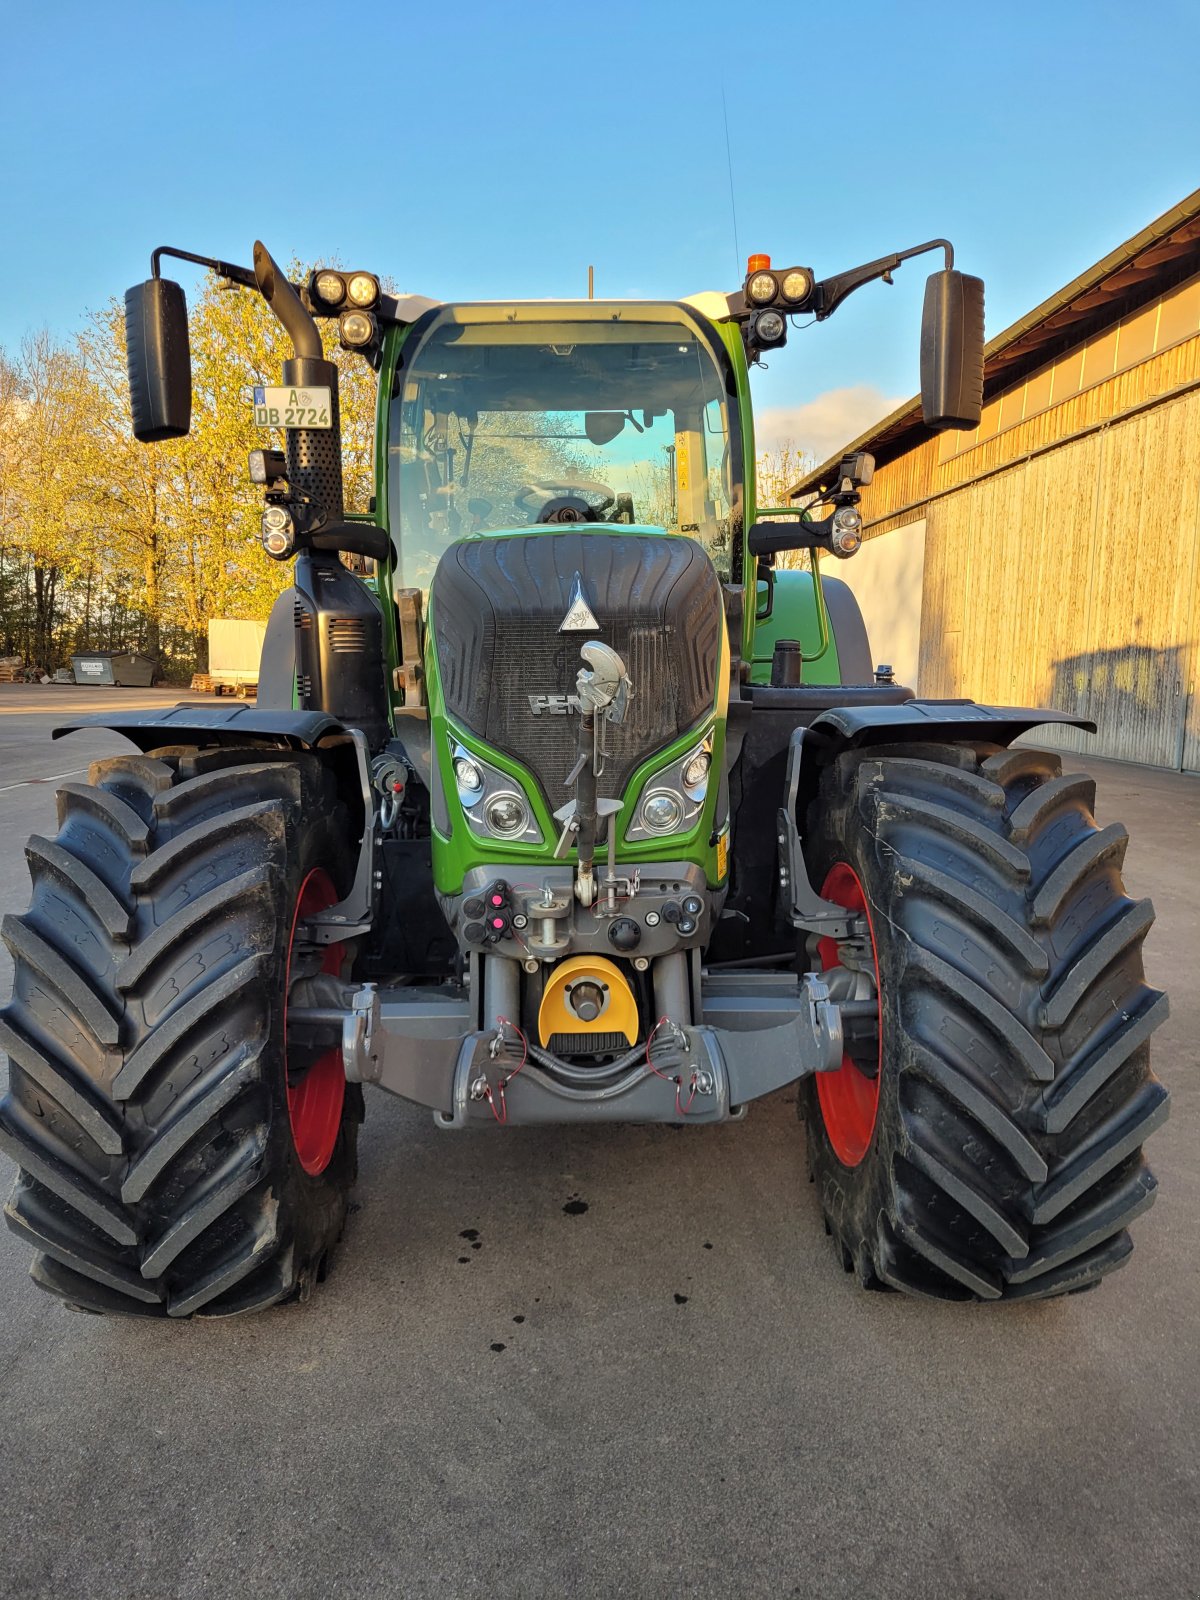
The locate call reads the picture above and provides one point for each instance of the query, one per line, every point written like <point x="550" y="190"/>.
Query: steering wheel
<point x="581" y="500"/>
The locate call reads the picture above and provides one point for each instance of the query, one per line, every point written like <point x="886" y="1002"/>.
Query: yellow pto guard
<point x="587" y="994"/>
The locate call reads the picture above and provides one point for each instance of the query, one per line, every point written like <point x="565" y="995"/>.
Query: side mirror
<point x="158" y="360"/>
<point x="952" y="350"/>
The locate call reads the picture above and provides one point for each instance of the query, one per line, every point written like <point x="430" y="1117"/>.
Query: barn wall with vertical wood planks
<point x="1062" y="553"/>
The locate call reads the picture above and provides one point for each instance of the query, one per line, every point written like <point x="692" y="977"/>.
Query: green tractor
<point x="562" y="801"/>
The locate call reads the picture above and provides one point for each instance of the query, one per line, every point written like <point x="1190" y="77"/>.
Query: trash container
<point x="114" y="668"/>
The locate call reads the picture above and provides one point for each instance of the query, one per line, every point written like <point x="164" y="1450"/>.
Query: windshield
<point x="504" y="424"/>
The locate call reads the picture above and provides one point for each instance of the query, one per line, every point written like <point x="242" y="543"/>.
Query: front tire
<point x="148" y="1107"/>
<point x="997" y="1152"/>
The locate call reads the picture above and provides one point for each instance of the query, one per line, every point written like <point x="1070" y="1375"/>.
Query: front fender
<point x="213" y="725"/>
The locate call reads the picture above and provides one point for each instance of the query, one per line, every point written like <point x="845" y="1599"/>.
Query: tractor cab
<point x="509" y="416"/>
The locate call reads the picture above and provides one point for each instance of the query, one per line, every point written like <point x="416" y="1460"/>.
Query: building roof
<point x="1165" y="252"/>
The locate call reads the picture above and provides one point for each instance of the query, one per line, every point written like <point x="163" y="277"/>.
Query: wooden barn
<point x="1052" y="556"/>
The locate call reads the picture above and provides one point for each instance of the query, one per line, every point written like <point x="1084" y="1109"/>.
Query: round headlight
<point x="331" y="287"/>
<point x="762" y="287"/>
<point x="356" y="328"/>
<point x="695" y="772"/>
<point x="469" y="780"/>
<point x="769" y="326"/>
<point x="796" y="285"/>
<point x="362" y="289"/>
<point x="662" y="811"/>
<point x="506" y="815"/>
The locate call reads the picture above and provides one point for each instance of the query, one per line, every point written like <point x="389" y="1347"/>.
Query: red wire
<point x="681" y="1110"/>
<point x="649" y="1042"/>
<point x="501" y="1116"/>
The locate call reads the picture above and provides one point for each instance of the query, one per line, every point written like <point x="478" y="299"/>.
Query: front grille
<point x="497" y="606"/>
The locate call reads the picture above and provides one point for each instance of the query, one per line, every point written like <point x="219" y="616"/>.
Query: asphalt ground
<point x="618" y="1362"/>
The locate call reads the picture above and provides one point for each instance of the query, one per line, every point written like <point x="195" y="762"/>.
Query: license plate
<point x="285" y="407"/>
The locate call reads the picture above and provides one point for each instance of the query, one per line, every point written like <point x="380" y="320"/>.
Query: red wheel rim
<point x="315" y="1102"/>
<point x="849" y="1098"/>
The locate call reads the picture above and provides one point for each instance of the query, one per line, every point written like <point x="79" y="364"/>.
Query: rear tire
<point x="148" y="1104"/>
<point x="1004" y="1157"/>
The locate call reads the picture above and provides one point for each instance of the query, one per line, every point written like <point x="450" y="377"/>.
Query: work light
<point x="356" y="328"/>
<point x="797" y="285"/>
<point x="762" y="288"/>
<point x="362" y="289"/>
<point x="330" y="288"/>
<point x="768" y="327"/>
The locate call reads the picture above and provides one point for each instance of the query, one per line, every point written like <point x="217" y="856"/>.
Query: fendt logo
<point x="555" y="705"/>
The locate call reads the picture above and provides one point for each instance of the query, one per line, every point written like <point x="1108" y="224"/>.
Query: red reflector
<point x="758" y="264"/>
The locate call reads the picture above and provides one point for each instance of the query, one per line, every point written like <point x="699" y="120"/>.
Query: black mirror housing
<point x="158" y="360"/>
<point x="952" y="350"/>
<point x="773" y="538"/>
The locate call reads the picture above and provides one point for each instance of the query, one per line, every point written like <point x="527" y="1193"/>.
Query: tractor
<point x="565" y="799"/>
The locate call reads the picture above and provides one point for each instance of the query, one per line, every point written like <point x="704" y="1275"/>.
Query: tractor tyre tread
<point x="147" y="1107"/>
<point x="1016" y="1093"/>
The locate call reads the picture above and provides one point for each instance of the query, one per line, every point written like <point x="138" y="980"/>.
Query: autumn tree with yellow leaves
<point x="109" y="544"/>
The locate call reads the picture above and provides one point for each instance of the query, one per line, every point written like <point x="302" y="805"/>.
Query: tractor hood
<point x="509" y="613"/>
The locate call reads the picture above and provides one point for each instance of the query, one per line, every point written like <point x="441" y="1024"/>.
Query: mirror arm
<point x="830" y="292"/>
<point x="223" y="269"/>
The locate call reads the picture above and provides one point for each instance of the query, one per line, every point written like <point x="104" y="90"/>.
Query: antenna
<point x="591" y="283"/>
<point x="732" y="203"/>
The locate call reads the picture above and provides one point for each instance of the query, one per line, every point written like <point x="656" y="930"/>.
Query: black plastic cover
<point x="206" y="724"/>
<point x="952" y="350"/>
<point x="508" y="672"/>
<point x="158" y="360"/>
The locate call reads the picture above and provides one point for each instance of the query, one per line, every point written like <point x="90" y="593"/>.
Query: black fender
<point x="842" y="728"/>
<point x="935" y="720"/>
<point x="344" y="749"/>
<point x="189" y="723"/>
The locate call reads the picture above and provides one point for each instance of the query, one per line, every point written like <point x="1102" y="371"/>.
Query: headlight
<point x="762" y="288"/>
<point x="506" y="815"/>
<point x="493" y="803"/>
<point x="674" y="796"/>
<point x="796" y="285"/>
<point x="661" y="811"/>
<point x="330" y="287"/>
<point x="362" y="289"/>
<point x="695" y="770"/>
<point x="469" y="780"/>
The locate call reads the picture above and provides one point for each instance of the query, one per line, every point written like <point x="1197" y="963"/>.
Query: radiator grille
<point x="497" y="606"/>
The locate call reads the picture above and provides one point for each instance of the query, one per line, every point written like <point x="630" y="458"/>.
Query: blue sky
<point x="473" y="151"/>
